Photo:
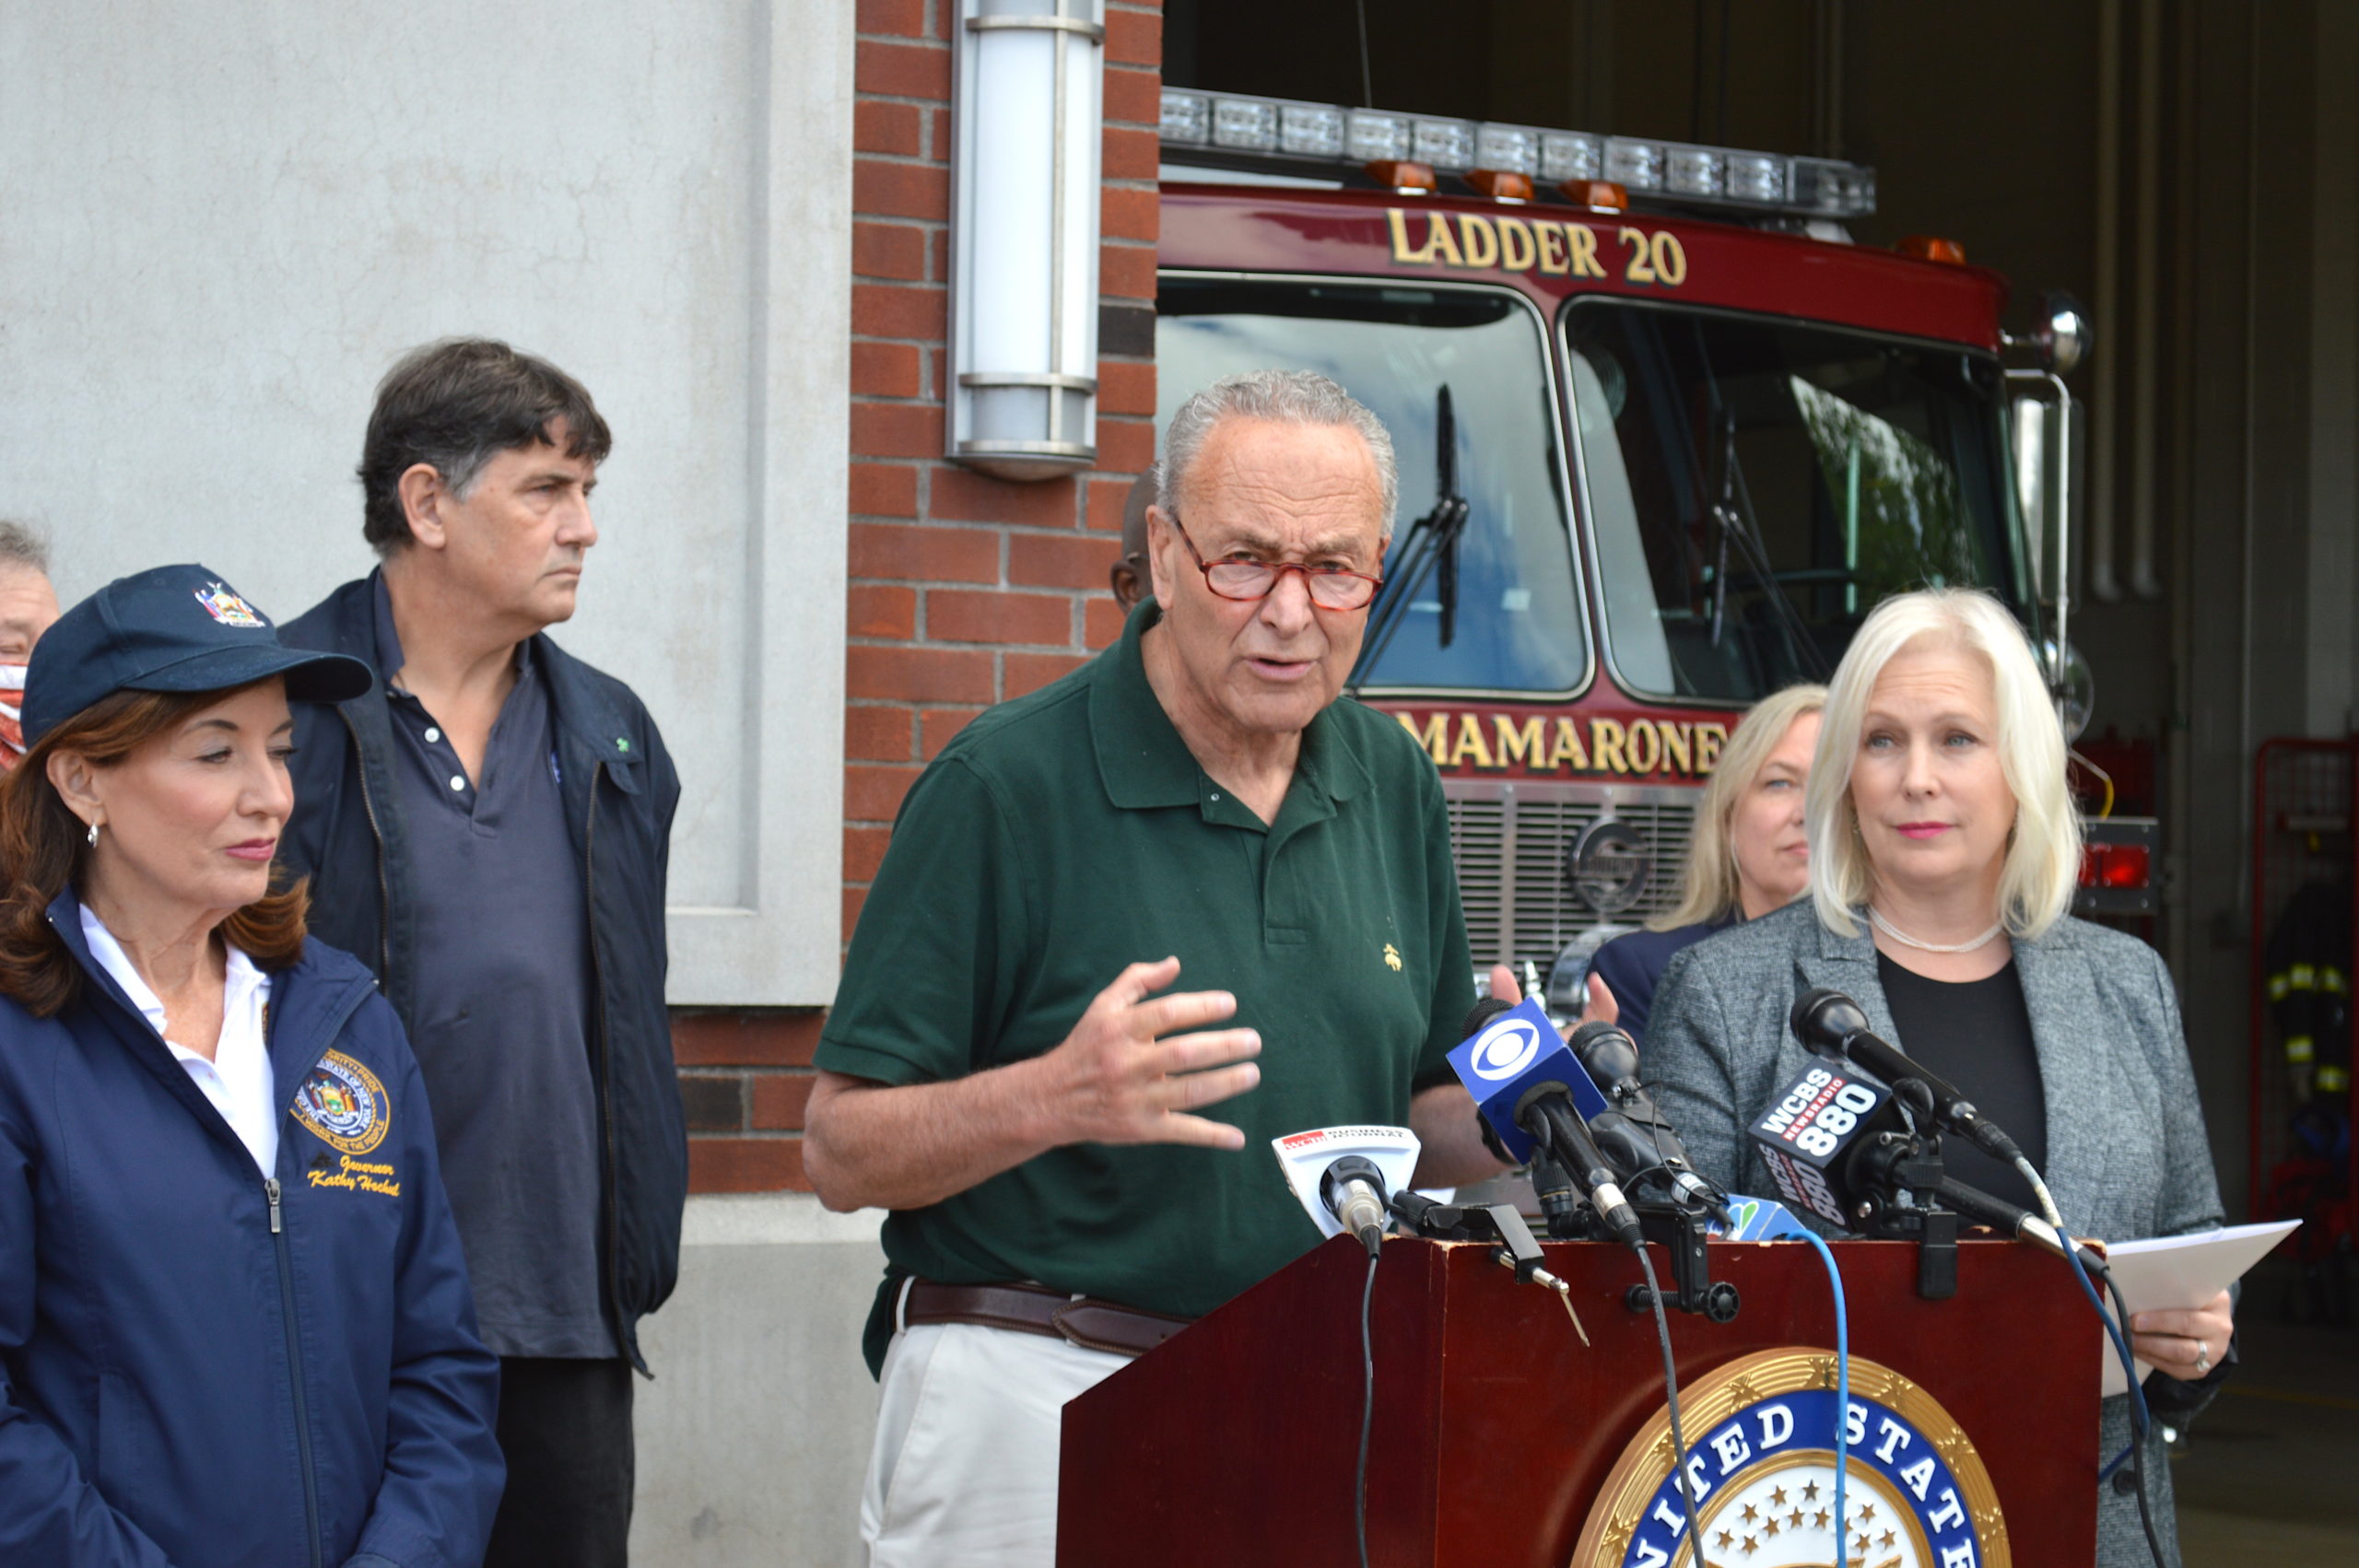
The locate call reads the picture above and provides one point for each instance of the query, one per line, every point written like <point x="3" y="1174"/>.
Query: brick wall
<point x="965" y="591"/>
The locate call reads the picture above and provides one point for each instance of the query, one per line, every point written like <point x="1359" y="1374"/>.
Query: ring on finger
<point x="2202" y="1357"/>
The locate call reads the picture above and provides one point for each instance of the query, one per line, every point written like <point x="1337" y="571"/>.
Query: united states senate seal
<point x="344" y="1104"/>
<point x="1761" y="1470"/>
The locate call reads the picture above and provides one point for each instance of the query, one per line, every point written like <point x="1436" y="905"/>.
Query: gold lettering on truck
<point x="1550" y="239"/>
<point x="1567" y="751"/>
<point x="1434" y="737"/>
<point x="1651" y="258"/>
<point x="1481" y="240"/>
<point x="1517" y="252"/>
<point x="1521" y="742"/>
<point x="1605" y="736"/>
<point x="1635" y="745"/>
<point x="1470" y="741"/>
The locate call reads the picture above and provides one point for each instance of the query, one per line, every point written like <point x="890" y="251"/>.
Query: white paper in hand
<point x="1304" y="1156"/>
<point x="2171" y="1273"/>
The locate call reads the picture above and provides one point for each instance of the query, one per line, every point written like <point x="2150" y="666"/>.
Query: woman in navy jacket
<point x="235" y="1325"/>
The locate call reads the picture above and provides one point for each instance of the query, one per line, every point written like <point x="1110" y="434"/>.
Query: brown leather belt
<point x="1035" y="1309"/>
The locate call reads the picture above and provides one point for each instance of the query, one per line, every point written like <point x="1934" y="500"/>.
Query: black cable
<point x="1671" y="1392"/>
<point x="2138" y="1435"/>
<point x="1367" y="1408"/>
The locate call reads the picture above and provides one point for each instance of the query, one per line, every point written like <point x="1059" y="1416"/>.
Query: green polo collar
<point x="1143" y="762"/>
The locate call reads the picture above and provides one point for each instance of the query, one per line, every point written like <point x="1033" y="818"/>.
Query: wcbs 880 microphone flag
<point x="1809" y="1133"/>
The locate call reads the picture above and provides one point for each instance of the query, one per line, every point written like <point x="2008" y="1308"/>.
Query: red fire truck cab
<point x="1663" y="443"/>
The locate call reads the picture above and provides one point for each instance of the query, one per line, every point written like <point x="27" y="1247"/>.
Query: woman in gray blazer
<point x="1944" y="853"/>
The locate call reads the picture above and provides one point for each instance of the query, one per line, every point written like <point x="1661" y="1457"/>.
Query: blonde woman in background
<point x="1749" y="854"/>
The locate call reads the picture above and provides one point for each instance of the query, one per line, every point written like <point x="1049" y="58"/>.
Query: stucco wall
<point x="224" y="222"/>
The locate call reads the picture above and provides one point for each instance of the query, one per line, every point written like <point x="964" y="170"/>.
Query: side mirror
<point x="2062" y="333"/>
<point x="2045" y="426"/>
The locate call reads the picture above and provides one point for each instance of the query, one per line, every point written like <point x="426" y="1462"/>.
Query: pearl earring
<point x="94" y="835"/>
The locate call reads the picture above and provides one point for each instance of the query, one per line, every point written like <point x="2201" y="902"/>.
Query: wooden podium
<point x="1495" y="1430"/>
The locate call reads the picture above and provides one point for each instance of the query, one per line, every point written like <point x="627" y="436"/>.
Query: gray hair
<point x="1289" y="397"/>
<point x="22" y="544"/>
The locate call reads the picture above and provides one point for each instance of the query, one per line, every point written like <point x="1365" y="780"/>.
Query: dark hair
<point x="44" y="846"/>
<point x="453" y="404"/>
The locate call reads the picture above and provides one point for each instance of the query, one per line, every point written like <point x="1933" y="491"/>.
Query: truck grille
<point x="1510" y="841"/>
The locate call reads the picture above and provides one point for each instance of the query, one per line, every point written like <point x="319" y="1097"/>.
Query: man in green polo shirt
<point x="1007" y="1068"/>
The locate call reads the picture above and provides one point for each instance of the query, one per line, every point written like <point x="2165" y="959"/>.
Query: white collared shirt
<point x="237" y="1080"/>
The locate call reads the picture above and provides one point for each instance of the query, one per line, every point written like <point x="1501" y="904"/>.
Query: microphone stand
<point x="1680" y="1229"/>
<point x="1903" y="1174"/>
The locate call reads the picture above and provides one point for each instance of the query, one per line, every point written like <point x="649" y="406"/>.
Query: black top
<point x="1976" y="1034"/>
<point x="502" y="1030"/>
<point x="1632" y="965"/>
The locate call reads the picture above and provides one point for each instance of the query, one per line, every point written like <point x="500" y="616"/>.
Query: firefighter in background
<point x="2308" y="976"/>
<point x="2308" y="960"/>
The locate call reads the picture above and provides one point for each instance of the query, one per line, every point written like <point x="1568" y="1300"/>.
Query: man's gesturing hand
<point x="1117" y="1078"/>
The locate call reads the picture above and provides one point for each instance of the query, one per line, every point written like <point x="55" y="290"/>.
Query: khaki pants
<point x="965" y="1467"/>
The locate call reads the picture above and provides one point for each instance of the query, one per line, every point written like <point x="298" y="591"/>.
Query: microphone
<point x="1833" y="1025"/>
<point x="1816" y="1136"/>
<point x="1342" y="1175"/>
<point x="1533" y="1095"/>
<point x="2028" y="1227"/>
<point x="1353" y="1190"/>
<point x="1508" y="1050"/>
<point x="1611" y="1058"/>
<point x="1546" y="1111"/>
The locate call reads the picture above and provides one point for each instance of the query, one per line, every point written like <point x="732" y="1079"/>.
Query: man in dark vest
<point x="489" y="829"/>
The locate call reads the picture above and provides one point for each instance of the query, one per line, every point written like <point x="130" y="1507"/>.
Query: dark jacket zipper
<point x="377" y="832"/>
<point x="295" y="1369"/>
<point x="286" y="1264"/>
<point x="605" y="1073"/>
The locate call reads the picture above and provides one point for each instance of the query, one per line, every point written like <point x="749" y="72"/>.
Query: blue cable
<point x="1842" y="1384"/>
<point x="2138" y="1416"/>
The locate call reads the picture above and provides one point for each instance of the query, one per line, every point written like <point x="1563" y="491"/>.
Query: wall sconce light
<point x="1026" y="115"/>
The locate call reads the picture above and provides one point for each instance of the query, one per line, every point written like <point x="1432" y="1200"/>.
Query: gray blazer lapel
<point x="2061" y="996"/>
<point x="1849" y="964"/>
<point x="1842" y="964"/>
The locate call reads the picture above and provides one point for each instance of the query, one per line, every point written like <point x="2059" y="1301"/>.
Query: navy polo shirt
<point x="1070" y="833"/>
<point x="502" y="1025"/>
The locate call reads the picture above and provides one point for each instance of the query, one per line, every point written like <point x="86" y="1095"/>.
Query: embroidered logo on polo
<point x="343" y="1104"/>
<point x="1391" y="958"/>
<point x="1760" y="1469"/>
<point x="227" y="608"/>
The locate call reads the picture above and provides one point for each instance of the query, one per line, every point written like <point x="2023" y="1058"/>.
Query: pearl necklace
<point x="1900" y="936"/>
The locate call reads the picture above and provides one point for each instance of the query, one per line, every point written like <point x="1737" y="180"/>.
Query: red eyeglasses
<point x="1330" y="587"/>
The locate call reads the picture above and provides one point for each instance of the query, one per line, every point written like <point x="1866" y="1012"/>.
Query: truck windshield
<point x="1517" y="626"/>
<point x="1756" y="486"/>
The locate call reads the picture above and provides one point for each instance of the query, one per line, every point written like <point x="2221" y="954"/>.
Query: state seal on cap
<point x="224" y="605"/>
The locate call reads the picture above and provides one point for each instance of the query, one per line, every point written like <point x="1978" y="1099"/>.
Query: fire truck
<point x="1665" y="435"/>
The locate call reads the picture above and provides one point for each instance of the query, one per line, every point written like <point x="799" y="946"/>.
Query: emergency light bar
<point x="1294" y="135"/>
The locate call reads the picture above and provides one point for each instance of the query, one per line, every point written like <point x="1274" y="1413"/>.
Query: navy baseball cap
<point x="171" y="629"/>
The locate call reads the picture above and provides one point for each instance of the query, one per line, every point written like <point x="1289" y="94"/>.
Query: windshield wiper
<point x="1429" y="549"/>
<point x="1732" y="514"/>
